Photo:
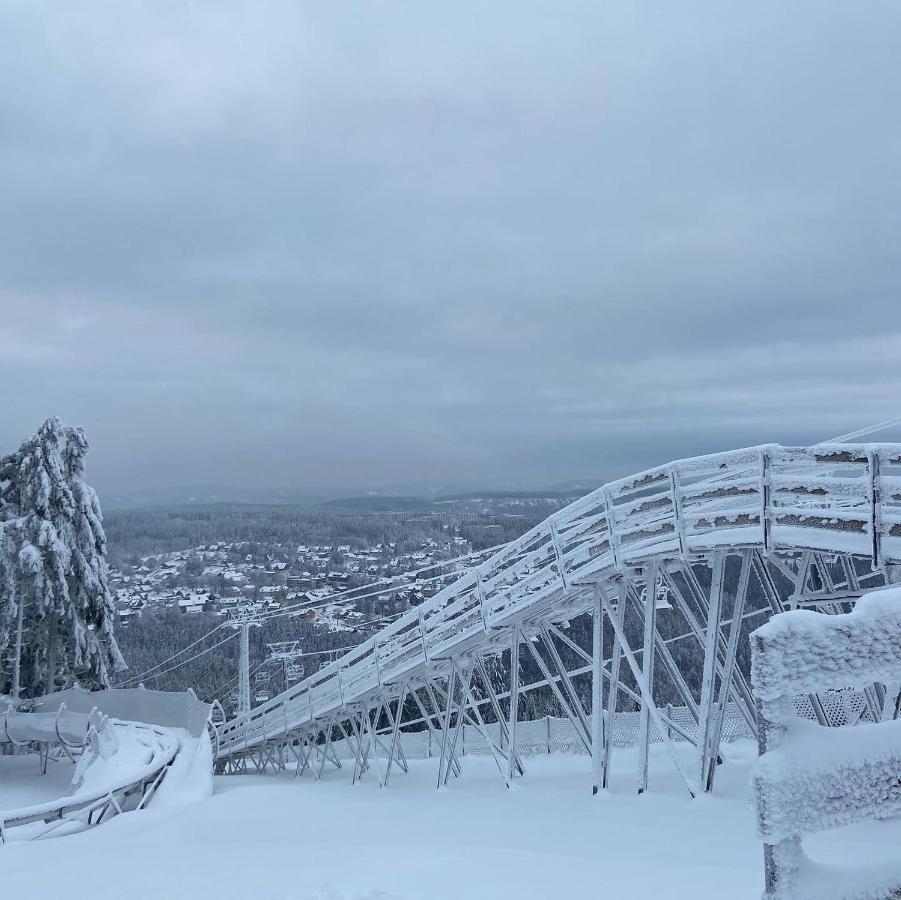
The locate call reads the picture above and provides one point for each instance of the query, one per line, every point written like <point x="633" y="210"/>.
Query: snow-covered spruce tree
<point x="55" y="565"/>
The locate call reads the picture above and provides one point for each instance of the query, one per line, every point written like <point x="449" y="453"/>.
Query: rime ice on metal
<point x="809" y="778"/>
<point x="789" y="526"/>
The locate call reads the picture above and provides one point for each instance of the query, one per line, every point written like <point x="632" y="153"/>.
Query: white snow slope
<point x="280" y="838"/>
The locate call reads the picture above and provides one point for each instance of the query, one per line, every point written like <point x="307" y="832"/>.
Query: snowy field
<point x="280" y="838"/>
<point x="21" y="783"/>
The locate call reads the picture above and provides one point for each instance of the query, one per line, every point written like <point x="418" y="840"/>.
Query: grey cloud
<point x="288" y="243"/>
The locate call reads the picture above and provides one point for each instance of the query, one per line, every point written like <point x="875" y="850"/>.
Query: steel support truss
<point x="639" y="617"/>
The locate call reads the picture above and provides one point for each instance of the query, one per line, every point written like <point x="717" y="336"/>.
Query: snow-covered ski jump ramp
<point x="697" y="552"/>
<point x="125" y="741"/>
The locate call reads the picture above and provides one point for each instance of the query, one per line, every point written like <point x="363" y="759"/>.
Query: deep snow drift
<point x="280" y="838"/>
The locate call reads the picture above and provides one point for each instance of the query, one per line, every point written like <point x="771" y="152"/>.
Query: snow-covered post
<point x="708" y="682"/>
<point x="781" y="859"/>
<point x="809" y="777"/>
<point x="597" y="691"/>
<point x="514" y="698"/>
<point x="647" y="671"/>
<point x="875" y="524"/>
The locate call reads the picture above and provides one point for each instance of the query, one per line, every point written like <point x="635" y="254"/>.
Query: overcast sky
<point x="294" y="244"/>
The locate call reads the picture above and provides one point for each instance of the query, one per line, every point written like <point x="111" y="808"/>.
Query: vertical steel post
<point x="738" y="609"/>
<point x="427" y="717"/>
<point x="571" y="714"/>
<point x="597" y="691"/>
<point x="445" y="728"/>
<point x="465" y="677"/>
<point x="483" y="731"/>
<point x="646" y="695"/>
<point x="371" y="742"/>
<point x="647" y="669"/>
<point x="747" y="706"/>
<point x="514" y="696"/>
<point x="613" y="690"/>
<point x="705" y="709"/>
<point x="575" y="702"/>
<point x="503" y="734"/>
<point x="875" y="498"/>
<point x="437" y="707"/>
<point x="395" y="731"/>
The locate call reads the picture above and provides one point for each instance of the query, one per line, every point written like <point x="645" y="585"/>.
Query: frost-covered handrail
<point x="810" y="778"/>
<point x="67" y="728"/>
<point x="832" y="497"/>
<point x="92" y="719"/>
<point x="162" y="745"/>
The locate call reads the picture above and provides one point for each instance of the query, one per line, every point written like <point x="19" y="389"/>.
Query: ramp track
<point x="695" y="543"/>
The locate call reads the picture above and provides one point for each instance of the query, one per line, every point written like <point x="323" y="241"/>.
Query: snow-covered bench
<point x="809" y="778"/>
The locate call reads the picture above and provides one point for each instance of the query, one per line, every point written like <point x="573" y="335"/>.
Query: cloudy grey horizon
<point x="286" y="244"/>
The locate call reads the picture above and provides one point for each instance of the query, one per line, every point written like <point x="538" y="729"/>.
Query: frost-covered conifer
<point x="54" y="564"/>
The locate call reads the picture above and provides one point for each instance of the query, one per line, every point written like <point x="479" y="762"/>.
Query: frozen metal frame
<point x="648" y="557"/>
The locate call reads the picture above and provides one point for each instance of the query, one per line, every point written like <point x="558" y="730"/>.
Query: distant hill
<point x="378" y="503"/>
<point x="509" y="495"/>
<point x="204" y="495"/>
<point x="400" y="498"/>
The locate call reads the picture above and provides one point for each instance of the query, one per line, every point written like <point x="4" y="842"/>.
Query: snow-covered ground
<point x="21" y="782"/>
<point x="280" y="838"/>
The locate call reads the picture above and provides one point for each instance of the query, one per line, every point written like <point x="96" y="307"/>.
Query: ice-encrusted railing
<point x="810" y="778"/>
<point x="92" y="805"/>
<point x="833" y="497"/>
<point x="62" y="728"/>
<point x="89" y="723"/>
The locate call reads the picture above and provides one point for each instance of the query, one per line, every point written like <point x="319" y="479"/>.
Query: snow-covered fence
<point x="810" y="778"/>
<point x="552" y="735"/>
<point x="846" y="706"/>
